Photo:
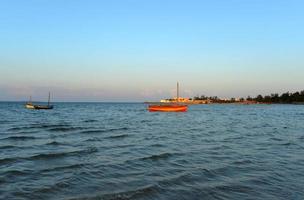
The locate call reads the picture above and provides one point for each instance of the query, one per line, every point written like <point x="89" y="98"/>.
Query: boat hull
<point x="38" y="107"/>
<point x="168" y="108"/>
<point x="29" y="106"/>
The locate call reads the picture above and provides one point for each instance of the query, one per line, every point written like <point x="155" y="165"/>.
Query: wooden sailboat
<point x="30" y="105"/>
<point x="171" y="107"/>
<point x="168" y="108"/>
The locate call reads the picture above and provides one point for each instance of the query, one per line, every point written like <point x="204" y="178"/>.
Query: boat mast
<point x="49" y="98"/>
<point x="177" y="92"/>
<point x="30" y="99"/>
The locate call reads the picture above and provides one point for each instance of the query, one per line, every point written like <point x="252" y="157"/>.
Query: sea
<point x="121" y="151"/>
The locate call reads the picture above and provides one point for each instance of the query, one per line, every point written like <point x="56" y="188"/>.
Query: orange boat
<point x="168" y="108"/>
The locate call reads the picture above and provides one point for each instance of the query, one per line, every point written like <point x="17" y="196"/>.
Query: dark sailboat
<point x="30" y="105"/>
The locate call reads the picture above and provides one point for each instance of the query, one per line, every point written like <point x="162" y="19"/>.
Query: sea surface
<point x="121" y="151"/>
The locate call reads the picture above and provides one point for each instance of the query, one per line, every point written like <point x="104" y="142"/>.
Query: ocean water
<point x="121" y="151"/>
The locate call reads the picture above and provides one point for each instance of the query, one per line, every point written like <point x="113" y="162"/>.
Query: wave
<point x="11" y="173"/>
<point x="37" y="126"/>
<point x="17" y="137"/>
<point x="90" y="120"/>
<point x="8" y="147"/>
<point x="55" y="155"/>
<point x="92" y="131"/>
<point x="52" y="155"/>
<point x="233" y="188"/>
<point x="276" y="139"/>
<point x="64" y="129"/>
<point x="4" y="161"/>
<point x="93" y="139"/>
<point x="141" y="192"/>
<point x="157" y="145"/>
<point x="242" y="162"/>
<point x="104" y="130"/>
<point x="73" y="166"/>
<point x="90" y="150"/>
<point x="18" y="128"/>
<point x="158" y="156"/>
<point x="288" y="144"/>
<point x="118" y="136"/>
<point x="5" y="121"/>
<point x="51" y="189"/>
<point x="175" y="179"/>
<point x="122" y="146"/>
<point x="54" y="143"/>
<point x="117" y="129"/>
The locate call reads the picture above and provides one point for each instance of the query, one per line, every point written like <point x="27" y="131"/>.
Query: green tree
<point x="267" y="99"/>
<point x="275" y="98"/>
<point x="285" y="98"/>
<point x="249" y="98"/>
<point x="259" y="98"/>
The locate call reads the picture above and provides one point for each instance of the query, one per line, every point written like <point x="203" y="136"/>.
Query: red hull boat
<point x="172" y="107"/>
<point x="168" y="108"/>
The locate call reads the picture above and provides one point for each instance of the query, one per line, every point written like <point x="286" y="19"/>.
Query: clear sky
<point x="136" y="50"/>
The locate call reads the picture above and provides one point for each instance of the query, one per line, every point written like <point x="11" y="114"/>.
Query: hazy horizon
<point x="125" y="51"/>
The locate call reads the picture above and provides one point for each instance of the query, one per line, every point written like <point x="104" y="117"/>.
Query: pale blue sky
<point x="135" y="50"/>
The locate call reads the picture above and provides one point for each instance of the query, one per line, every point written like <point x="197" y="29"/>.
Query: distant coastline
<point x="285" y="98"/>
<point x="296" y="98"/>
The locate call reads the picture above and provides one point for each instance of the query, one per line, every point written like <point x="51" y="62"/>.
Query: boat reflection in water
<point x="169" y="107"/>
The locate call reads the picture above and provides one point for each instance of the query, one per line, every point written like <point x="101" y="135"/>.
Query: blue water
<point x="121" y="151"/>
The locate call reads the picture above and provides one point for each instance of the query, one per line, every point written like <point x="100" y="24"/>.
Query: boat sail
<point x="30" y="105"/>
<point x="171" y="107"/>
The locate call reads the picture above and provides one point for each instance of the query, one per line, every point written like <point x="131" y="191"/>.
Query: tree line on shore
<point x="287" y="97"/>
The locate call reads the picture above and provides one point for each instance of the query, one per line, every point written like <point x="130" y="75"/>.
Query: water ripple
<point x="19" y="137"/>
<point x="156" y="157"/>
<point x="57" y="155"/>
<point x="118" y="136"/>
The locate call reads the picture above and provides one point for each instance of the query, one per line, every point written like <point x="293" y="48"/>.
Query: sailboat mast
<point x="49" y="98"/>
<point x="177" y="91"/>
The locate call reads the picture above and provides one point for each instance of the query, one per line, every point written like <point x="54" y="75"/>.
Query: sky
<point x="134" y="50"/>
